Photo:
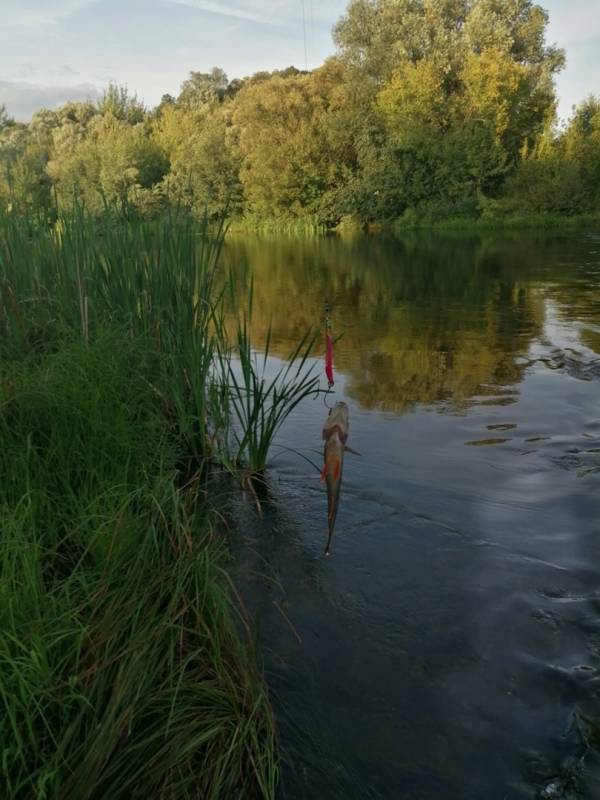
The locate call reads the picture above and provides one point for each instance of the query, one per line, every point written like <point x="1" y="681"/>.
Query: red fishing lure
<point x="329" y="359"/>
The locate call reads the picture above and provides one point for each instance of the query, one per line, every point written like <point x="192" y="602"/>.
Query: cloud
<point x="271" y="12"/>
<point x="65" y="69"/>
<point x="23" y="99"/>
<point x="240" y="10"/>
<point x="40" y="73"/>
<point x="36" y="15"/>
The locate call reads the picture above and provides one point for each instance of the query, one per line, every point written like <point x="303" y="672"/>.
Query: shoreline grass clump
<point x="127" y="667"/>
<point x="122" y="670"/>
<point x="260" y="403"/>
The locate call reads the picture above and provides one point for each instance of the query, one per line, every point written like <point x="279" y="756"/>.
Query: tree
<point x="379" y="36"/>
<point x="31" y="184"/>
<point x="288" y="157"/>
<point x="581" y="143"/>
<point x="5" y="120"/>
<point x="13" y="142"/>
<point x="15" y="138"/>
<point x="203" y="166"/>
<point x="439" y="107"/>
<point x="561" y="175"/>
<point x="203" y="88"/>
<point x="112" y="163"/>
<point x="123" y="106"/>
<point x="460" y="87"/>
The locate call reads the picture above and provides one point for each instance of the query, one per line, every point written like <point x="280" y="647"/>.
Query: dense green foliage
<point x="123" y="671"/>
<point x="429" y="109"/>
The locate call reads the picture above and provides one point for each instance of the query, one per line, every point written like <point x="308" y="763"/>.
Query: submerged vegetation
<point x="127" y="666"/>
<point x="428" y="111"/>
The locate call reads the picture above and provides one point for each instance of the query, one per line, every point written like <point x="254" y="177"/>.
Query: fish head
<point x="338" y="419"/>
<point x="340" y="414"/>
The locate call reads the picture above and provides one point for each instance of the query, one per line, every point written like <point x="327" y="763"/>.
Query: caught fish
<point x="335" y="434"/>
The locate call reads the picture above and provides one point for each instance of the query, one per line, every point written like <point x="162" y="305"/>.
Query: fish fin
<point x="350" y="450"/>
<point x="324" y="472"/>
<point x="336" y="470"/>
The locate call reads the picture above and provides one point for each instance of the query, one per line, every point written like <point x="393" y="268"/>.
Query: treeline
<point x="430" y="109"/>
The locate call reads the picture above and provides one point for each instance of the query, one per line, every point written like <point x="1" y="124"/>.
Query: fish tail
<point x="328" y="543"/>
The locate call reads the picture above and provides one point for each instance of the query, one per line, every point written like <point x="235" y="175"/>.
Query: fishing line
<point x="328" y="356"/>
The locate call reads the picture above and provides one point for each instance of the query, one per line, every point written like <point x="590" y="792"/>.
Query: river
<point x="449" y="648"/>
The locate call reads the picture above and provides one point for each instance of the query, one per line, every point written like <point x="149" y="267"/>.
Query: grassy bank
<point x="417" y="220"/>
<point x="308" y="225"/>
<point x="127" y="668"/>
<point x="412" y="220"/>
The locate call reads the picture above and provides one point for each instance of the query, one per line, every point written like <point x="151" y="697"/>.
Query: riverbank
<point x="127" y="665"/>
<point x="413" y="220"/>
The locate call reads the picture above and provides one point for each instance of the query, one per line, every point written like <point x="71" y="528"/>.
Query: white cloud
<point x="37" y="15"/>
<point x="270" y="12"/>
<point x="23" y="99"/>
<point x="40" y="73"/>
<point x="242" y="11"/>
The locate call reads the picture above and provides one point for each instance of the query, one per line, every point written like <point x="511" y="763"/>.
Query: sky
<point x="57" y="50"/>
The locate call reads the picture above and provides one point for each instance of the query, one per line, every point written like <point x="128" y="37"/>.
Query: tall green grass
<point x="308" y="225"/>
<point x="261" y="402"/>
<point x="156" y="279"/>
<point x="127" y="668"/>
<point x="122" y="670"/>
<point x="152" y="279"/>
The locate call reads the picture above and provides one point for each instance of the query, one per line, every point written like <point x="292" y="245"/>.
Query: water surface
<point x="450" y="646"/>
